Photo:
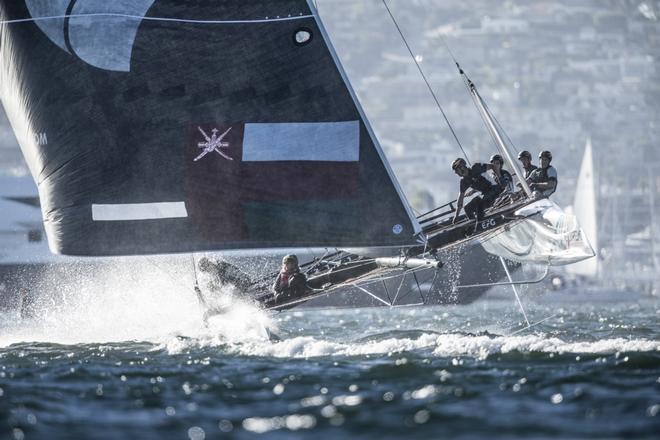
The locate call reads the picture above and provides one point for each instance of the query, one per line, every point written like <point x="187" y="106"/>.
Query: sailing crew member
<point x="219" y="275"/>
<point x="525" y="157"/>
<point x="222" y="273"/>
<point x="543" y="180"/>
<point x="474" y="178"/>
<point x="290" y="282"/>
<point x="502" y="176"/>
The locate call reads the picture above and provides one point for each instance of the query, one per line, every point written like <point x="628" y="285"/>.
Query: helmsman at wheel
<point x="475" y="178"/>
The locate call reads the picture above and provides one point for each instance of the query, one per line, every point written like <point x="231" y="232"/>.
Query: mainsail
<point x="155" y="126"/>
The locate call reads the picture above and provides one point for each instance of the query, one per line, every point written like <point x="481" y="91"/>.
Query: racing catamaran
<point x="112" y="104"/>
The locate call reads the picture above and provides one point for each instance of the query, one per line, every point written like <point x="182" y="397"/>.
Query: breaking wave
<point x="439" y="345"/>
<point x="142" y="304"/>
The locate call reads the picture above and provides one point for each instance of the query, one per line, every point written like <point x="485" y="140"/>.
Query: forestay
<point x="156" y="126"/>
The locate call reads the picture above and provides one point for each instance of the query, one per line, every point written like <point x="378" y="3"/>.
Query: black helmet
<point x="498" y="158"/>
<point x="457" y="163"/>
<point x="546" y="154"/>
<point x="290" y="258"/>
<point x="526" y="154"/>
<point x="205" y="264"/>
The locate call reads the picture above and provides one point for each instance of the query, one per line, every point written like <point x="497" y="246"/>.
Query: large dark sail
<point x="165" y="126"/>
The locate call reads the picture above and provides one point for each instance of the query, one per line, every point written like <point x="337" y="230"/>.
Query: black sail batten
<point x="205" y="126"/>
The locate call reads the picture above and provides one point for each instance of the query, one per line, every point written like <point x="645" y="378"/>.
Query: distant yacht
<point x="584" y="208"/>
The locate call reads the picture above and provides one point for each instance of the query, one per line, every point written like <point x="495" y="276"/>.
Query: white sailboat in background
<point x="584" y="208"/>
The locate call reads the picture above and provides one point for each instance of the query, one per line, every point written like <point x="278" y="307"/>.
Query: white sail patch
<point x="138" y="211"/>
<point x="106" y="42"/>
<point x="101" y="33"/>
<point x="304" y="141"/>
<point x="52" y="24"/>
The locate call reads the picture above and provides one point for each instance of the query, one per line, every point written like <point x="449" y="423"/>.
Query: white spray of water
<point x="240" y="324"/>
<point x="141" y="304"/>
<point x="444" y="345"/>
<point x="122" y="303"/>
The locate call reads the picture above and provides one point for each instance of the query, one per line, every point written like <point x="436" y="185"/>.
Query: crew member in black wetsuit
<point x="290" y="283"/>
<point x="222" y="273"/>
<point x="525" y="157"/>
<point x="502" y="176"/>
<point x="219" y="275"/>
<point x="474" y="178"/>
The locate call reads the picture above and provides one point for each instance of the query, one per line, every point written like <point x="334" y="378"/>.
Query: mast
<point x="492" y="128"/>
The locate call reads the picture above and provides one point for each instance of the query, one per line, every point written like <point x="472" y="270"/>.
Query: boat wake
<point x="425" y="344"/>
<point x="115" y="306"/>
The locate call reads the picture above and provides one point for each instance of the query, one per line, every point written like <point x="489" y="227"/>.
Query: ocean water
<point x="141" y="364"/>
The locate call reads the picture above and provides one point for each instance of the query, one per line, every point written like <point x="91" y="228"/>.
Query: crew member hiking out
<point x="525" y="157"/>
<point x="474" y="178"/>
<point x="543" y="180"/>
<point x="290" y="283"/>
<point x="503" y="178"/>
<point x="221" y="273"/>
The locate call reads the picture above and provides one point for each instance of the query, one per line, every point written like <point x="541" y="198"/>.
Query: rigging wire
<point x="469" y="85"/>
<point x="534" y="324"/>
<point x="169" y="275"/>
<point x="196" y="290"/>
<point x="497" y="124"/>
<point x="474" y="93"/>
<point x="194" y="266"/>
<point x="515" y="289"/>
<point x="500" y="128"/>
<point x="428" y="85"/>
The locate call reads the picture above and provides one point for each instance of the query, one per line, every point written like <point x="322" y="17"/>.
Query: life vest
<point x="543" y="175"/>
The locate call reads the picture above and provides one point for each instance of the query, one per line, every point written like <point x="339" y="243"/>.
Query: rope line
<point x="194" y="266"/>
<point x="470" y="86"/>
<point x="474" y="94"/>
<point x="174" y="281"/>
<point x="534" y="324"/>
<point x="428" y="85"/>
<point x="499" y="126"/>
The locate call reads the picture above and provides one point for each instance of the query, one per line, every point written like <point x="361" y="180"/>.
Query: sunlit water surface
<point x="142" y="365"/>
